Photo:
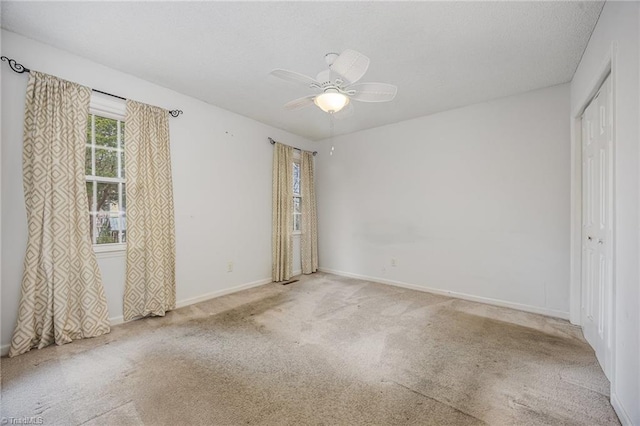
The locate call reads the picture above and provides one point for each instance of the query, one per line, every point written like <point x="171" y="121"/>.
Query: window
<point x="104" y="169"/>
<point x="297" y="199"/>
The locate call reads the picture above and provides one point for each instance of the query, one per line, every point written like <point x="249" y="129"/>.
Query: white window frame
<point x="296" y="159"/>
<point x="108" y="107"/>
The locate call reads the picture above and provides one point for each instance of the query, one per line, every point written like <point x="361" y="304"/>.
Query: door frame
<point x="608" y="67"/>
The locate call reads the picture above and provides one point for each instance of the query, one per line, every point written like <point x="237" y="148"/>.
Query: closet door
<point x="597" y="230"/>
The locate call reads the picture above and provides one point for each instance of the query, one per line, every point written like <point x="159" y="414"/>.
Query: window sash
<point x="298" y="222"/>
<point x="101" y="179"/>
<point x="120" y="181"/>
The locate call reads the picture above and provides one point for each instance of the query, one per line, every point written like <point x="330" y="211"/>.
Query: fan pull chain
<point x="331" y="133"/>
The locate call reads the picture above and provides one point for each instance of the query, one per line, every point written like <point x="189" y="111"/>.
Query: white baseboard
<point x="487" y="300"/>
<point x="4" y="349"/>
<point x="116" y="320"/>
<point x="223" y="292"/>
<point x="625" y="419"/>
<point x="207" y="296"/>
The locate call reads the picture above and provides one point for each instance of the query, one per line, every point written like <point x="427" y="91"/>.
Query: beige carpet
<point x="325" y="350"/>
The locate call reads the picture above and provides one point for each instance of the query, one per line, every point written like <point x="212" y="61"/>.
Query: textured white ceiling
<point x="441" y="55"/>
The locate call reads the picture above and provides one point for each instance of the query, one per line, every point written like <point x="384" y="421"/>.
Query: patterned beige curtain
<point x="309" y="237"/>
<point x="62" y="294"/>
<point x="282" y="226"/>
<point x="150" y="286"/>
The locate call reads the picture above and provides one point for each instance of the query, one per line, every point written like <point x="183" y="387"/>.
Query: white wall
<point x="221" y="174"/>
<point x="618" y="30"/>
<point x="473" y="201"/>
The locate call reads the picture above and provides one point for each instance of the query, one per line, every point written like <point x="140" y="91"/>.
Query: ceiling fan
<point x="336" y="87"/>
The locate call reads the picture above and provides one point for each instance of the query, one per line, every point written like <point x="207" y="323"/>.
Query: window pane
<point x="89" y="130"/>
<point x="106" y="163"/>
<point x="107" y="216"/>
<point x="123" y="213"/>
<point x="122" y="134"/>
<point x="123" y="226"/>
<point x="107" y="198"/>
<point x="116" y="224"/>
<point x="296" y="205"/>
<point x="296" y="222"/>
<point x="91" y="220"/>
<point x="90" y="196"/>
<point x="106" y="132"/>
<point x="122" y="164"/>
<point x="105" y="234"/>
<point x="296" y="178"/>
<point x="87" y="162"/>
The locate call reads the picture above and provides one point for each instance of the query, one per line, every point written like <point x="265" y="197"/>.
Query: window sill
<point x="110" y="250"/>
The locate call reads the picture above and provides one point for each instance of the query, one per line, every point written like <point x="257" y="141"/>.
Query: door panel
<point x="597" y="227"/>
<point x="590" y="274"/>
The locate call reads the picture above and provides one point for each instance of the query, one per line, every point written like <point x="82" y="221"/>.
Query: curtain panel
<point x="150" y="286"/>
<point x="309" y="237"/>
<point x="282" y="219"/>
<point x="62" y="293"/>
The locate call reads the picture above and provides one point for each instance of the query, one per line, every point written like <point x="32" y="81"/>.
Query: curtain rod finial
<point x="15" y="67"/>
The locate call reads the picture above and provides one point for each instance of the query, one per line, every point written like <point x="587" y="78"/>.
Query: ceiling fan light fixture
<point x="331" y="101"/>
<point x="336" y="86"/>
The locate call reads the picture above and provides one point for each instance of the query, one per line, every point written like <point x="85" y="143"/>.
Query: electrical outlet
<point x="394" y="262"/>
<point x="230" y="266"/>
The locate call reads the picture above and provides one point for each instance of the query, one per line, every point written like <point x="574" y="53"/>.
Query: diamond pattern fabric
<point x="150" y="286"/>
<point x="282" y="219"/>
<point x="62" y="293"/>
<point x="309" y="237"/>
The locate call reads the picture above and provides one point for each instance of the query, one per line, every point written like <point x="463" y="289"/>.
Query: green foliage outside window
<point x="105" y="159"/>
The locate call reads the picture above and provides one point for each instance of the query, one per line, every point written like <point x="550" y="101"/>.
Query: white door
<point x="597" y="229"/>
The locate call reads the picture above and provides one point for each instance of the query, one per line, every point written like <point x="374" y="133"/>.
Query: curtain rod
<point x="272" y="142"/>
<point x="20" y="69"/>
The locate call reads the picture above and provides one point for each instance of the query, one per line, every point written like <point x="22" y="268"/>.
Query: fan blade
<point x="350" y="65"/>
<point x="373" y="92"/>
<point x="299" y="103"/>
<point x="294" y="77"/>
<point x="345" y="112"/>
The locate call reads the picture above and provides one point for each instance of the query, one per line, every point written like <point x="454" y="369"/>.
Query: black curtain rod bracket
<point x="20" y="69"/>
<point x="15" y="67"/>
<point x="273" y="142"/>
